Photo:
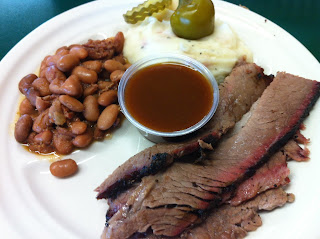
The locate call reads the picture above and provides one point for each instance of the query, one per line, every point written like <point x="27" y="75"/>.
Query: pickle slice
<point x="145" y="9"/>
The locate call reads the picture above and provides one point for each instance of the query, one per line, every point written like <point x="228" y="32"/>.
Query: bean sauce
<point x="168" y="97"/>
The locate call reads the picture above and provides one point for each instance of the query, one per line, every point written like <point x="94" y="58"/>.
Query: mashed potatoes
<point x="219" y="51"/>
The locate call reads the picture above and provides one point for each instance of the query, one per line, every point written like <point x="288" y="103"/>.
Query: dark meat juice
<point x="168" y="97"/>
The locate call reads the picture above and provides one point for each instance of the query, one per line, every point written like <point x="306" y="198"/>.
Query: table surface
<point x="300" y="18"/>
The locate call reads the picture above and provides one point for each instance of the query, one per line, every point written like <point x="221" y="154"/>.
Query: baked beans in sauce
<point x="168" y="97"/>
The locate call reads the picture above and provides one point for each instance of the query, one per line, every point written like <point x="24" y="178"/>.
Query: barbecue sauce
<point x="168" y="97"/>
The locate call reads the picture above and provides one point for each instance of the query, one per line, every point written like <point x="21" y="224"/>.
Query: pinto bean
<point x="56" y="86"/>
<point x="93" y="65"/>
<point x="64" y="131"/>
<point x="26" y="88"/>
<point x="72" y="86"/>
<point x="67" y="62"/>
<point x="52" y="72"/>
<point x="74" y="45"/>
<point x="43" y="64"/>
<point x="116" y="76"/>
<point x="43" y="67"/>
<point x="91" y="108"/>
<point x="42" y="85"/>
<point x="83" y="140"/>
<point x="108" y="117"/>
<point x="38" y="146"/>
<point x="92" y="89"/>
<point x="22" y="128"/>
<point x="126" y="66"/>
<point x="85" y="75"/>
<point x="44" y="137"/>
<point x="62" y="51"/>
<point x="78" y="127"/>
<point x="32" y="95"/>
<point x="41" y="104"/>
<point x="62" y="143"/>
<point x="42" y="122"/>
<point x="71" y="103"/>
<point x="63" y="168"/>
<point x="120" y="58"/>
<point x="79" y="51"/>
<point x="119" y="42"/>
<point x="105" y="85"/>
<point x="42" y="72"/>
<point x="26" y="107"/>
<point x="108" y="98"/>
<point x="26" y="82"/>
<point x="52" y="60"/>
<point x="113" y="65"/>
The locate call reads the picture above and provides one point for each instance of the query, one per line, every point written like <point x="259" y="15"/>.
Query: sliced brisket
<point x="173" y="200"/>
<point x="233" y="222"/>
<point x="238" y="92"/>
<point x="272" y="174"/>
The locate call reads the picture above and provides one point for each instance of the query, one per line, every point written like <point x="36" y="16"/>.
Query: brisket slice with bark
<point x="172" y="201"/>
<point x="273" y="174"/>
<point x="235" y="220"/>
<point x="238" y="92"/>
<point x="232" y="222"/>
<point x="291" y="151"/>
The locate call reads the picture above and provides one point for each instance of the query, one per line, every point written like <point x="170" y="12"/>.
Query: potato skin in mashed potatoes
<point x="218" y="52"/>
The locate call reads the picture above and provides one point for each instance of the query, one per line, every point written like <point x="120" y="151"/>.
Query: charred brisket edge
<point x="159" y="161"/>
<point x="274" y="148"/>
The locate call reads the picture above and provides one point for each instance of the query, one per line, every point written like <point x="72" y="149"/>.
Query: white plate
<point x="34" y="204"/>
